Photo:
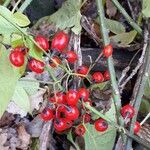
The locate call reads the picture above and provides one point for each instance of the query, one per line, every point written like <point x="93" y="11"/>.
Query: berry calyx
<point x="55" y="62"/>
<point x="47" y="114"/>
<point x="108" y="50"/>
<point x="83" y="70"/>
<point x="72" y="97"/>
<point x="106" y="75"/>
<point x="16" y="58"/>
<point x="97" y="77"/>
<point x="72" y="113"/>
<point x="101" y="125"/>
<point x="36" y="66"/>
<point x="83" y="93"/>
<point x="127" y="111"/>
<point x="71" y="56"/>
<point x="137" y="127"/>
<point x="80" y="130"/>
<point x="42" y="42"/>
<point x="60" y="41"/>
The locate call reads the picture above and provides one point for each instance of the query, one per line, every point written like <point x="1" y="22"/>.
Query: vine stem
<point x="144" y="72"/>
<point x="128" y="18"/>
<point x="25" y="4"/>
<point x="6" y="3"/>
<point x="13" y="10"/>
<point x="106" y="41"/>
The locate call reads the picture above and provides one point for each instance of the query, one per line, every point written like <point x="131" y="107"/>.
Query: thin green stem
<point x="128" y="18"/>
<point x="25" y="4"/>
<point x="145" y="119"/>
<point x="6" y="3"/>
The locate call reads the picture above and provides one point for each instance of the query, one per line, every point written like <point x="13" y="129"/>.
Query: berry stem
<point x="128" y="18"/>
<point x="145" y="119"/>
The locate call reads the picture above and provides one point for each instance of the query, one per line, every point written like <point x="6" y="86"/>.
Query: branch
<point x="128" y="18"/>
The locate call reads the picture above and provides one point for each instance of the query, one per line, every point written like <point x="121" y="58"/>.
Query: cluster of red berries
<point x="69" y="110"/>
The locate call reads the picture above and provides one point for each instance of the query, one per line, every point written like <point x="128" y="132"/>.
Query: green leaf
<point x="101" y="140"/>
<point x="124" y="39"/>
<point x="33" y="52"/>
<point x="21" y="19"/>
<point x="30" y="87"/>
<point x="21" y="98"/>
<point x="115" y="26"/>
<point x="8" y="79"/>
<point x="16" y="40"/>
<point x="68" y="16"/>
<point x="146" y="8"/>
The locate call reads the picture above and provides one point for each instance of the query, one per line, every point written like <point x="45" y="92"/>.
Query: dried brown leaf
<point x="111" y="10"/>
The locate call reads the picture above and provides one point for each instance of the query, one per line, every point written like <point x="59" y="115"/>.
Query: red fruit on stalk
<point x="72" y="97"/>
<point x="137" y="127"/>
<point x="127" y="111"/>
<point x="86" y="118"/>
<point x="80" y="130"/>
<point x="72" y="113"/>
<point x="108" y="50"/>
<point x="59" y="98"/>
<point x="83" y="93"/>
<point x="55" y="62"/>
<point x="106" y="75"/>
<point x="22" y="49"/>
<point x="101" y="125"/>
<point x="47" y="114"/>
<point x="83" y="70"/>
<point x="60" y="41"/>
<point x="36" y="66"/>
<point x="71" y="56"/>
<point x="60" y="124"/>
<point x="42" y="42"/>
<point x="16" y="58"/>
<point x="97" y="77"/>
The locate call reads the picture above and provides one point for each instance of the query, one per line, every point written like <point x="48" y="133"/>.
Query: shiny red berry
<point x="59" y="98"/>
<point x="80" y="130"/>
<point x="55" y="62"/>
<point x="83" y="70"/>
<point x="71" y="56"/>
<point x="22" y="49"/>
<point x="108" y="50"/>
<point x="60" y="124"/>
<point x="72" y="97"/>
<point x="72" y="113"/>
<point x="16" y="58"/>
<point x="106" y="75"/>
<point x="36" y="65"/>
<point x="137" y="127"/>
<point x="47" y="114"/>
<point x="42" y="42"/>
<point x="127" y="111"/>
<point x="83" y="93"/>
<point x="101" y="125"/>
<point x="97" y="77"/>
<point x="86" y="118"/>
<point x="60" y="41"/>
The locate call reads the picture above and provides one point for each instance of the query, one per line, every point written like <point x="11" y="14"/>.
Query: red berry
<point x="127" y="111"/>
<point x="22" y="49"/>
<point x="16" y="58"/>
<point x="83" y="70"/>
<point x="80" y="130"/>
<point x="55" y="62"/>
<point x="72" y="113"/>
<point x="47" y="114"/>
<point x="42" y="42"/>
<point x="86" y="118"/>
<point x="71" y="56"/>
<point x="106" y="75"/>
<point x="137" y="127"/>
<point x="61" y="111"/>
<point x="36" y="66"/>
<point x="97" y="77"/>
<point x="101" y="125"/>
<point x="60" y="98"/>
<point x="108" y="50"/>
<point x="60" y="41"/>
<point x="60" y="124"/>
<point x="72" y="97"/>
<point x="83" y="93"/>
